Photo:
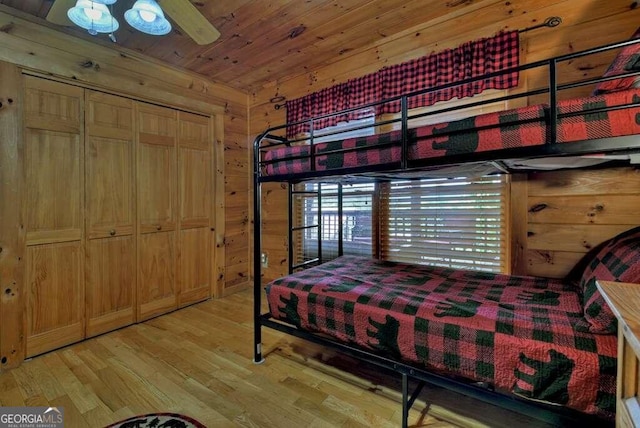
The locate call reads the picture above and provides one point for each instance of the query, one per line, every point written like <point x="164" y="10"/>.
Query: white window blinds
<point x="449" y="222"/>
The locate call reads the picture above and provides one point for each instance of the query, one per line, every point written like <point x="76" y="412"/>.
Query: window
<point x="356" y="227"/>
<point x="449" y="222"/>
<point x="344" y="130"/>
<point x="357" y="204"/>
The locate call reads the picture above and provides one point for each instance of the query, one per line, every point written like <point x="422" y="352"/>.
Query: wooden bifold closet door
<point x="157" y="206"/>
<point x="194" y="178"/>
<point x="118" y="211"/>
<point x="174" y="209"/>
<point x="54" y="208"/>
<point x="110" y="213"/>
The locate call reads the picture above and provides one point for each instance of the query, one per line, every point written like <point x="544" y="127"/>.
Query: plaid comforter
<point x="522" y="127"/>
<point x="524" y="335"/>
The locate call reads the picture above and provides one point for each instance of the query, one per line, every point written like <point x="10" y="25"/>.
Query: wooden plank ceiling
<point x="264" y="41"/>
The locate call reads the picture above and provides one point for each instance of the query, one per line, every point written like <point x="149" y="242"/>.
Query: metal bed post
<point x="408" y="401"/>
<point x="292" y="190"/>
<point x="405" y="400"/>
<point x="553" y="99"/>
<point x="404" y="155"/>
<point x="340" y="221"/>
<point x="293" y="228"/>
<point x="257" y="255"/>
<point x="319" y="223"/>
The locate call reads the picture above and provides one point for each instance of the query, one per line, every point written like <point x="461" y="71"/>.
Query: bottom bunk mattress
<point x="522" y="335"/>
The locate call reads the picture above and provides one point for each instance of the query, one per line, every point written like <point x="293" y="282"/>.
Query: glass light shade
<point x="93" y="17"/>
<point x="146" y="16"/>
<point x="105" y="1"/>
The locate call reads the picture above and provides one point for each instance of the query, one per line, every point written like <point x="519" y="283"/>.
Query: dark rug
<point x="158" y="420"/>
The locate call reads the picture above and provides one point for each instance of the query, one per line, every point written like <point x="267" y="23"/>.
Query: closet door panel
<point x="157" y="176"/>
<point x="193" y="131"/>
<point x="52" y="105"/>
<point x="110" y="170"/>
<point x="110" y="192"/>
<point x="110" y="284"/>
<point x="54" y="213"/>
<point x="53" y="118"/>
<point x="194" y="262"/>
<point x="54" y="186"/>
<point x="156" y="125"/>
<point x="55" y="296"/>
<point x="195" y="188"/>
<point x="156" y="188"/>
<point x="156" y="274"/>
<point x="109" y="116"/>
<point x="157" y="210"/>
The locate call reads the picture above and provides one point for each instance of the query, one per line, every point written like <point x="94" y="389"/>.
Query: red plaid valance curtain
<point x="469" y="60"/>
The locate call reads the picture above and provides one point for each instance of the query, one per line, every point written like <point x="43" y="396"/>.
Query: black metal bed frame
<point x="268" y="140"/>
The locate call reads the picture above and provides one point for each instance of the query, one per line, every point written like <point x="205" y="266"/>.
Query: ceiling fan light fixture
<point x="147" y="16"/>
<point x="93" y="16"/>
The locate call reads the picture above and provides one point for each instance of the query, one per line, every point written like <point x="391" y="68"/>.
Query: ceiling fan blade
<point x="58" y="12"/>
<point x="192" y="22"/>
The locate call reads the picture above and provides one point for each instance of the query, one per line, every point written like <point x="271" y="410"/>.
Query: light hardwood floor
<point x="197" y="361"/>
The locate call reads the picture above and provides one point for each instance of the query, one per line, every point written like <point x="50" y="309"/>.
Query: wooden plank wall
<point x="570" y="212"/>
<point x="42" y="50"/>
<point x="12" y="231"/>
<point x="586" y="23"/>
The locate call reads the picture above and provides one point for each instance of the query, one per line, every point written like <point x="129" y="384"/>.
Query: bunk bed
<point x="490" y="336"/>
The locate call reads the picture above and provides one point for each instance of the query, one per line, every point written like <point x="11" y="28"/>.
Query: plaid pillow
<point x="616" y="260"/>
<point x="628" y="59"/>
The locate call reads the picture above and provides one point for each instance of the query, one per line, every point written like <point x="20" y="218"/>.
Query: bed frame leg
<point x="405" y="400"/>
<point x="257" y="356"/>
<point x="416" y="392"/>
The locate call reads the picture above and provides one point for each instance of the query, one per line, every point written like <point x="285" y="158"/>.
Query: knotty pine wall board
<point x="585" y="24"/>
<point x="569" y="212"/>
<point x="12" y="230"/>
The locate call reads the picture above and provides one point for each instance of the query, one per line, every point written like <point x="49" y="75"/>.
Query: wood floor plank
<point x="140" y="395"/>
<point x="49" y="385"/>
<point x="198" y="361"/>
<point x="27" y="382"/>
<point x="104" y="388"/>
<point x="11" y="398"/>
<point x="36" y="401"/>
<point x="72" y="416"/>
<point x="7" y="383"/>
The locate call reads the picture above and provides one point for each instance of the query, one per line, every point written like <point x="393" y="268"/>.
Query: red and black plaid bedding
<point x="524" y="335"/>
<point x="376" y="149"/>
<point x="520" y="127"/>
<point x="588" y="126"/>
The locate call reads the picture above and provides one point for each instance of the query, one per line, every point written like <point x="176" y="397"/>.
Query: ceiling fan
<point x="182" y="12"/>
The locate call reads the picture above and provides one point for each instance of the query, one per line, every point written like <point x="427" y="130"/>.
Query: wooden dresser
<point x="624" y="300"/>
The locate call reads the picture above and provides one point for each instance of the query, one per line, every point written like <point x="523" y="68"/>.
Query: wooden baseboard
<point x="226" y="291"/>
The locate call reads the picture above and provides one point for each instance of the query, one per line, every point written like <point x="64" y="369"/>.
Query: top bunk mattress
<point x="579" y="120"/>
<point x="522" y="335"/>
